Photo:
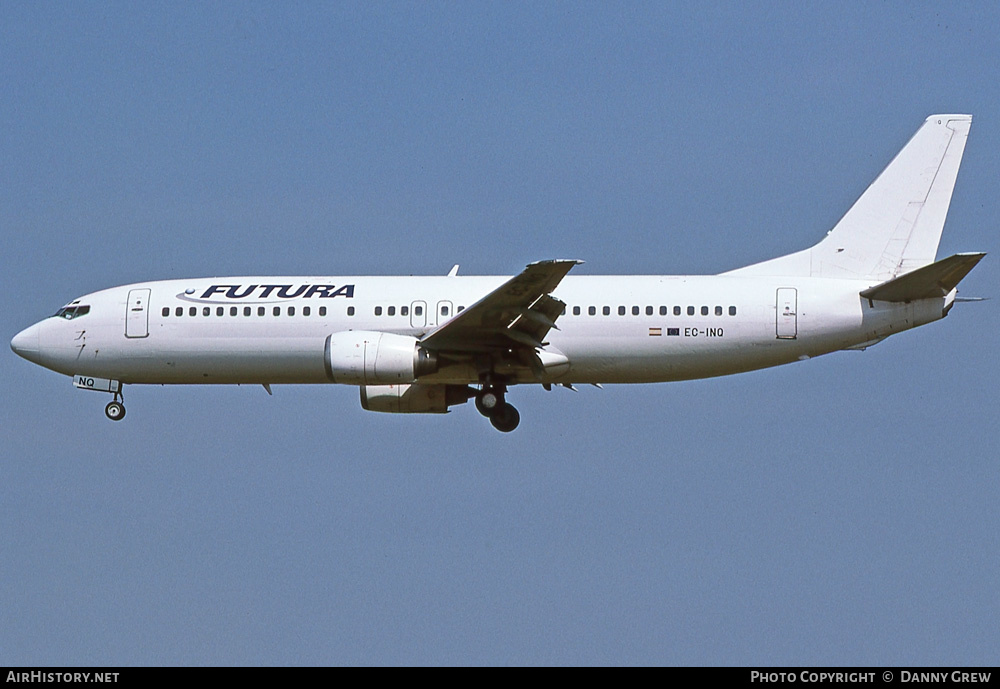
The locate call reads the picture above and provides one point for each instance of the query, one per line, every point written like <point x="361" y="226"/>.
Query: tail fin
<point x="896" y="225"/>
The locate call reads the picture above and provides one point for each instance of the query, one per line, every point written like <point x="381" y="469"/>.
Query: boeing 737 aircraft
<point x="424" y="344"/>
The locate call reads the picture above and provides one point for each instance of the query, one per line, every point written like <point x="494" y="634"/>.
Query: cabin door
<point x="787" y="323"/>
<point x="137" y="313"/>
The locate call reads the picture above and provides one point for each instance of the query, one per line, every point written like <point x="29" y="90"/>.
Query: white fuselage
<point x="424" y="344"/>
<point x="274" y="329"/>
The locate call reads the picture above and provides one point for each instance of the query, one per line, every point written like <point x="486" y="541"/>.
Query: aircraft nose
<point x="25" y="344"/>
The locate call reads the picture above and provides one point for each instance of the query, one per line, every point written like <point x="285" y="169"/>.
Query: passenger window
<point x="621" y="310"/>
<point x="649" y="310"/>
<point x="193" y="311"/>
<point x="704" y="310"/>
<point x="291" y="310"/>
<point x="607" y="310"/>
<point x="179" y="311"/>
<point x="592" y="310"/>
<point x="378" y="310"/>
<point x="232" y="310"/>
<point x="690" y="310"/>
<point x="276" y="311"/>
<point x="635" y="310"/>
<point x="322" y="311"/>
<point x="261" y="310"/>
<point x="663" y="310"/>
<point x="220" y="310"/>
<point x="576" y="310"/>
<point x="246" y="310"/>
<point x="718" y="310"/>
<point x="166" y="311"/>
<point x="350" y="311"/>
<point x="206" y="311"/>
<point x="418" y="310"/>
<point x="677" y="311"/>
<point x="391" y="311"/>
<point x="732" y="310"/>
<point x="306" y="311"/>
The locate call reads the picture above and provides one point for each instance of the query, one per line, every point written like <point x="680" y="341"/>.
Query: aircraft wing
<point x="517" y="315"/>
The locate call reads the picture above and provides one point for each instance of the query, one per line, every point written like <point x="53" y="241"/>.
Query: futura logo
<point x="267" y="293"/>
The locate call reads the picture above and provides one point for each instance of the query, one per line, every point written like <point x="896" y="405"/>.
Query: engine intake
<point x="361" y="357"/>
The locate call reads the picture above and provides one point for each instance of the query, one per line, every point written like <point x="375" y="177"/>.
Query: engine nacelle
<point x="414" y="399"/>
<point x="361" y="357"/>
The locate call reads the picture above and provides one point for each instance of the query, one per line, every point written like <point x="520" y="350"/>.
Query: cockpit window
<point x="71" y="312"/>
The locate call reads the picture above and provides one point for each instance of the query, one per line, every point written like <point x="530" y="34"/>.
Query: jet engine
<point x="414" y="399"/>
<point x="361" y="357"/>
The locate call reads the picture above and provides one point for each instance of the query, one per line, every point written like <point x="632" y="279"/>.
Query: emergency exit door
<point x="418" y="314"/>
<point x="445" y="310"/>
<point x="787" y="323"/>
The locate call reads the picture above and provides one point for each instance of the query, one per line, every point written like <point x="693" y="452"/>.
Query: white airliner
<point x="424" y="344"/>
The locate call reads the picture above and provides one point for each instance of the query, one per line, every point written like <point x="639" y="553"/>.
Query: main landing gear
<point x="115" y="409"/>
<point x="491" y="403"/>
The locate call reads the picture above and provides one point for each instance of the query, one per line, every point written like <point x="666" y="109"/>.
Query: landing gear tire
<point x="487" y="402"/>
<point x="505" y="418"/>
<point x="115" y="411"/>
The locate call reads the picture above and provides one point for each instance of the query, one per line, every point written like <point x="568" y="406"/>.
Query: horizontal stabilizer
<point x="933" y="281"/>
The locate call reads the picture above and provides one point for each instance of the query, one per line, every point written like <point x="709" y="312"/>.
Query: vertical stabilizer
<point x="896" y="225"/>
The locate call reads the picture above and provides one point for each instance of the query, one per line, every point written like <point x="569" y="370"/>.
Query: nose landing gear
<point x="115" y="409"/>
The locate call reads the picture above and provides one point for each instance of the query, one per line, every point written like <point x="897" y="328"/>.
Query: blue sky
<point x="838" y="511"/>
